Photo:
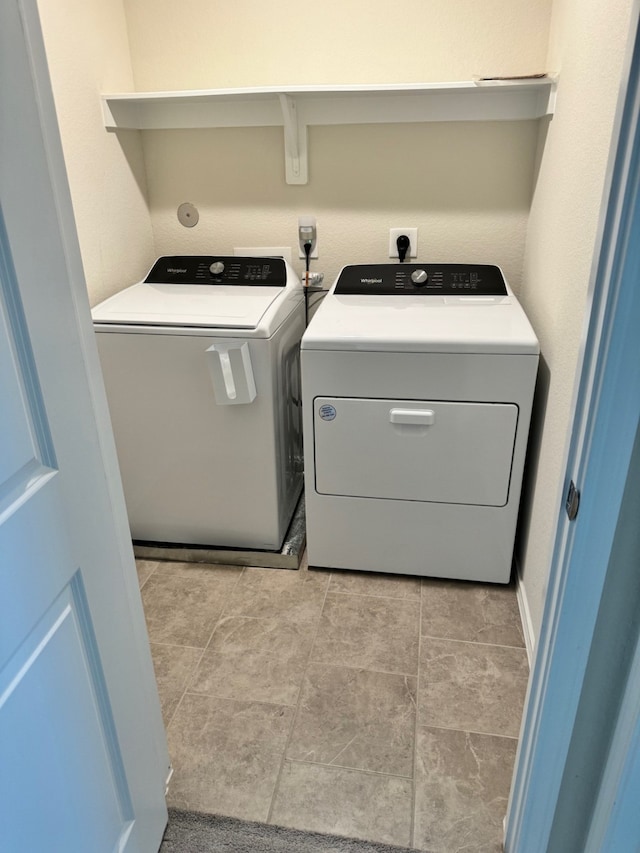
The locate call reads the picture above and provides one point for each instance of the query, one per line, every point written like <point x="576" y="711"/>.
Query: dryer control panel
<point x="422" y="279"/>
<point x="218" y="269"/>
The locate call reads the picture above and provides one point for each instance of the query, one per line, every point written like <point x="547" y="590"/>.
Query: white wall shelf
<point x="296" y="107"/>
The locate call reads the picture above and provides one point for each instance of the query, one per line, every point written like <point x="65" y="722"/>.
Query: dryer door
<point x="444" y="452"/>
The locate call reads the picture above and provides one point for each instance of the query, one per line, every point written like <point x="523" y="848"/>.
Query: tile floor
<point x="375" y="706"/>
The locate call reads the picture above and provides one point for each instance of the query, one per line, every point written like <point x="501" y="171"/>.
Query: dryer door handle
<point x="416" y="417"/>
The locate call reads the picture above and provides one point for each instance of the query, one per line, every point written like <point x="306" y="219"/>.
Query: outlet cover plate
<point x="412" y="234"/>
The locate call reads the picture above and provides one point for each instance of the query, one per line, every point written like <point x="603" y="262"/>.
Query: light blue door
<point x="83" y="758"/>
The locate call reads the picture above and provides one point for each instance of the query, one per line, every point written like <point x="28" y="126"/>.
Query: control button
<point x="216" y="268"/>
<point x="419" y="277"/>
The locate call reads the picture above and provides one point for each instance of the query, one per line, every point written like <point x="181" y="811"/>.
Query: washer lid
<point x="206" y="291"/>
<point x="221" y="305"/>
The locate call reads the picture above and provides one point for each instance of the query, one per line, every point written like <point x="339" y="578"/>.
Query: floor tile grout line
<point x="149" y="576"/>
<point x="413" y="599"/>
<point x="363" y="668"/>
<point x="195" y="692"/>
<point x="233" y="699"/>
<point x="297" y="705"/>
<point x="373" y="595"/>
<point x="195" y="648"/>
<point x="204" y="649"/>
<point x="466" y="731"/>
<point x="171" y="645"/>
<point x="471" y="642"/>
<point x="171" y="719"/>
<point x="377" y="773"/>
<point x="224" y="608"/>
<point x="176" y="645"/>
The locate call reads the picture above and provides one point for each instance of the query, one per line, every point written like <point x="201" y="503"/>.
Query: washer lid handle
<point x="231" y="373"/>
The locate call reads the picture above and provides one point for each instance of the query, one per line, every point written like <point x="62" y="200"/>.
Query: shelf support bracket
<point x="295" y="142"/>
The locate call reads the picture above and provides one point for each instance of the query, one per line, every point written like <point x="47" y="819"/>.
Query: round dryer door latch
<point x="419" y="277"/>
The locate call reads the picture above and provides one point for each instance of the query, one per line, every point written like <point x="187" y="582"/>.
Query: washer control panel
<point x="425" y="279"/>
<point x="218" y="269"/>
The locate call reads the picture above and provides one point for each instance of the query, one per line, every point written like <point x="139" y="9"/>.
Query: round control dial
<point x="216" y="268"/>
<point x="419" y="277"/>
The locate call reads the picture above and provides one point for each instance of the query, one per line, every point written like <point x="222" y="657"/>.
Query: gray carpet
<point x="191" y="832"/>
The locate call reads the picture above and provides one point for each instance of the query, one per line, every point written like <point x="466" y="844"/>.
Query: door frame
<point x="606" y="416"/>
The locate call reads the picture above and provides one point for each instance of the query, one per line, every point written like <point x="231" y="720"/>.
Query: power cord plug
<point x="307" y="246"/>
<point x="403" y="243"/>
<point x="307" y="238"/>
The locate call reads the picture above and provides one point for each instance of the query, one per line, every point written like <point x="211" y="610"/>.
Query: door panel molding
<point x="59" y="655"/>
<point x="14" y="318"/>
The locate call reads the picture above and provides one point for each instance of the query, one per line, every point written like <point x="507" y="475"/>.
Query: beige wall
<point x="461" y="185"/>
<point x="88" y="53"/>
<point x="466" y="187"/>
<point x="216" y="43"/>
<point x="587" y="46"/>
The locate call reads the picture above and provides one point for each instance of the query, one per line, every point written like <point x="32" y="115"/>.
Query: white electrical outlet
<point x="304" y="224"/>
<point x="411" y="233"/>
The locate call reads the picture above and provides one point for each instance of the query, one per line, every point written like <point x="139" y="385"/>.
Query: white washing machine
<point x="417" y="386"/>
<point x="201" y="366"/>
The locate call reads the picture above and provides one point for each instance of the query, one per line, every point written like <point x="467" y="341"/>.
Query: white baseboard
<point x="525" y="616"/>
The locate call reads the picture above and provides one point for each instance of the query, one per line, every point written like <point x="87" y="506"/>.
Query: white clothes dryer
<point x="417" y="385"/>
<point x="201" y="367"/>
